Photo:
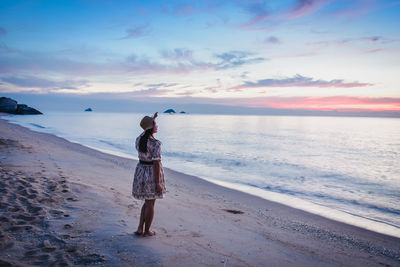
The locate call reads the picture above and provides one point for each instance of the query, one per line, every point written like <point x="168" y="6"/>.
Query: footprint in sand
<point x="67" y="226"/>
<point x="34" y="210"/>
<point x="52" y="187"/>
<point x="32" y="191"/>
<point x="195" y="234"/>
<point x="45" y="257"/>
<point x="30" y="253"/>
<point x="56" y="213"/>
<point x="31" y="196"/>
<point x="4" y="219"/>
<point x="23" y="199"/>
<point x="20" y="188"/>
<point x="70" y="248"/>
<point x="17" y="228"/>
<point x="122" y="222"/>
<point x="14" y="209"/>
<point x="24" y="217"/>
<point x="163" y="230"/>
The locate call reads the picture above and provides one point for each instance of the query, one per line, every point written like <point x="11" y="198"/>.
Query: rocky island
<point x="170" y="111"/>
<point x="9" y="105"/>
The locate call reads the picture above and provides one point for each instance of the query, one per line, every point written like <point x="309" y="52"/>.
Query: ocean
<point x="343" y="168"/>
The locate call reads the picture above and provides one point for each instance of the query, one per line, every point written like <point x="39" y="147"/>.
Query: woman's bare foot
<point x="139" y="232"/>
<point x="149" y="233"/>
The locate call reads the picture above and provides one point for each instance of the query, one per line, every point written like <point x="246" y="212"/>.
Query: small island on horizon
<point x="172" y="111"/>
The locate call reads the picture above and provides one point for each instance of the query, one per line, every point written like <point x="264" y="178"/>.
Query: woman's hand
<point x="158" y="188"/>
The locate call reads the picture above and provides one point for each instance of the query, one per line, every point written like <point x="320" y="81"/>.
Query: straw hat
<point x="148" y="122"/>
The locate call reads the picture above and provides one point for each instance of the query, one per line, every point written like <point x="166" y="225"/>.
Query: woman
<point x="148" y="183"/>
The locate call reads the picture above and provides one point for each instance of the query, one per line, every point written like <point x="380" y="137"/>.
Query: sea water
<point x="344" y="165"/>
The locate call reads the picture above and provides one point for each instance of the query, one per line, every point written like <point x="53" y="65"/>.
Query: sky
<point x="322" y="55"/>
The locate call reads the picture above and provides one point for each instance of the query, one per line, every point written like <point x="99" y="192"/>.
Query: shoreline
<point x="287" y="200"/>
<point x="202" y="231"/>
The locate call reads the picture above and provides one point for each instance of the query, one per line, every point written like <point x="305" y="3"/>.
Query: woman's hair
<point x="143" y="140"/>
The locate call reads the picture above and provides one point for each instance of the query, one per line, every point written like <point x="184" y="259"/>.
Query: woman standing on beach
<point x="148" y="183"/>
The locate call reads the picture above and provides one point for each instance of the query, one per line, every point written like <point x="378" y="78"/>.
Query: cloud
<point x="162" y="84"/>
<point x="329" y="103"/>
<point x="35" y="82"/>
<point x="5" y="49"/>
<point x="149" y="92"/>
<point x="304" y="8"/>
<point x="186" y="93"/>
<point x="235" y="59"/>
<point x="343" y="103"/>
<point x="2" y="31"/>
<point x="262" y="16"/>
<point x="143" y="64"/>
<point x="258" y="11"/>
<point x="183" y="62"/>
<point x="190" y="9"/>
<point x="298" y="81"/>
<point x="178" y="54"/>
<point x="54" y="63"/>
<point x="272" y="40"/>
<point x="373" y="51"/>
<point x="136" y="32"/>
<point x="375" y="40"/>
<point x="356" y="8"/>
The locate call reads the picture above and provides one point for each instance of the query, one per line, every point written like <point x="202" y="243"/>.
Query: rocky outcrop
<point x="11" y="106"/>
<point x="170" y="111"/>
<point x="23" y="109"/>
<point x="8" y="105"/>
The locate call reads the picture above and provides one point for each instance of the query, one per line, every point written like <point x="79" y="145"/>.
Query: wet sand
<point x="65" y="204"/>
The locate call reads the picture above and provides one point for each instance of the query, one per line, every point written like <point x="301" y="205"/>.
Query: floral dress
<point x="144" y="182"/>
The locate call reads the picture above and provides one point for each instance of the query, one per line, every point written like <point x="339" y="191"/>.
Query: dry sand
<point x="65" y="204"/>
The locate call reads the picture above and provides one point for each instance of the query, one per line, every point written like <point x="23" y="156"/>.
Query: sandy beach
<point x="64" y="204"/>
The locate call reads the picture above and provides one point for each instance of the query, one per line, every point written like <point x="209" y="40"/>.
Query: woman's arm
<point x="156" y="170"/>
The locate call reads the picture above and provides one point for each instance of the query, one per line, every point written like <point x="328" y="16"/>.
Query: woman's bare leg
<point x="139" y="230"/>
<point x="148" y="216"/>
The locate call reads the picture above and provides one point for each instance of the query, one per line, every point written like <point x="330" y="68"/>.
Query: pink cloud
<point x="356" y="9"/>
<point x="332" y="103"/>
<point x="341" y="103"/>
<point x="254" y="21"/>
<point x="305" y="8"/>
<point x="298" y="81"/>
<point x="373" y="51"/>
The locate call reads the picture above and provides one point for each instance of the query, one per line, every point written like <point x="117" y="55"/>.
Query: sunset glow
<point x="317" y="55"/>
